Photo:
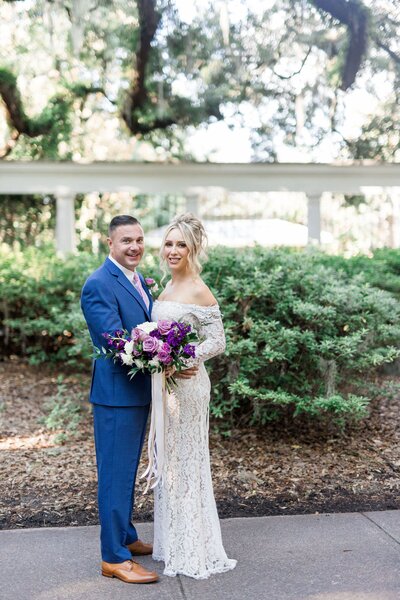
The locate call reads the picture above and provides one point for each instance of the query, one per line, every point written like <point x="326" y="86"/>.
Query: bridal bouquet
<point x="151" y="347"/>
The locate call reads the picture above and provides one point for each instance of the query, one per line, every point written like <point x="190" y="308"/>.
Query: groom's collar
<point x="127" y="272"/>
<point x="117" y="270"/>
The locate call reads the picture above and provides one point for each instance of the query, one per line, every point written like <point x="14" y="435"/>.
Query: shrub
<point x="381" y="270"/>
<point x="40" y="309"/>
<point x="299" y="334"/>
<point x="39" y="299"/>
<point x="302" y="327"/>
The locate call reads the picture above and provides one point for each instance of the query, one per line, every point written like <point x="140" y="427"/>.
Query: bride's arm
<point x="211" y="331"/>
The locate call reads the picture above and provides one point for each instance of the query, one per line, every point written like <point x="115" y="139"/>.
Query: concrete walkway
<point x="353" y="556"/>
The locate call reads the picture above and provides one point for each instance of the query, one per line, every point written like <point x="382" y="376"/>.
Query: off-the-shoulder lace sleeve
<point x="211" y="332"/>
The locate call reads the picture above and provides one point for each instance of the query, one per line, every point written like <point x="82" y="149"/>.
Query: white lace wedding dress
<point x="187" y="533"/>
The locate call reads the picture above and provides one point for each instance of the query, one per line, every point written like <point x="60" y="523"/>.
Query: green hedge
<point x="302" y="327"/>
<point x="40" y="305"/>
<point x="39" y="296"/>
<point x="381" y="270"/>
<point x="300" y="334"/>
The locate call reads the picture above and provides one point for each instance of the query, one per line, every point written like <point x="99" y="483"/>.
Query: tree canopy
<point x="133" y="79"/>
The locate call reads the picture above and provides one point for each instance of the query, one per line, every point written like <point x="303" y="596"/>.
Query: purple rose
<point x="150" y="344"/>
<point x="142" y="335"/>
<point x="166" y="348"/>
<point x="164" y="357"/>
<point x="149" y="280"/>
<point x="135" y="333"/>
<point x="164" y="326"/>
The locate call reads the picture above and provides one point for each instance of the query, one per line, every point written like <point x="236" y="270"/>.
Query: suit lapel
<point x="147" y="291"/>
<point x="123" y="280"/>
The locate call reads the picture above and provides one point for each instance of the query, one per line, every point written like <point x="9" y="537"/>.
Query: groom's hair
<point x="121" y="220"/>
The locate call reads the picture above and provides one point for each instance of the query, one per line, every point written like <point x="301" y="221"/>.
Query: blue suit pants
<point x="119" y="434"/>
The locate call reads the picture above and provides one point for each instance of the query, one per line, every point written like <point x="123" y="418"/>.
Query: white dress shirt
<point x="136" y="284"/>
<point x="127" y="272"/>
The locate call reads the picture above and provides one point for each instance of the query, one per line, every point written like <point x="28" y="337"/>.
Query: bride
<point x="187" y="534"/>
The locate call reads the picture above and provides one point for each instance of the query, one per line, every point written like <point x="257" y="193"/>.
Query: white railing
<point x="65" y="180"/>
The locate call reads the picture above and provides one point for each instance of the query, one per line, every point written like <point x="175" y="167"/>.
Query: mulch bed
<point x="49" y="479"/>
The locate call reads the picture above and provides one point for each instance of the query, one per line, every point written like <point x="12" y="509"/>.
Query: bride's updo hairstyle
<point x="195" y="237"/>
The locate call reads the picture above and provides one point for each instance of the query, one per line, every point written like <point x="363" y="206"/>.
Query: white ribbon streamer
<point x="155" y="444"/>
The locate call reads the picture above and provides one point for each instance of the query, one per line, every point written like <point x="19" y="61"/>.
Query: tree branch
<point x="355" y="16"/>
<point x="81" y="90"/>
<point x="54" y="114"/>
<point x="386" y="48"/>
<point x="136" y="97"/>
<point x="303" y="62"/>
<point x="15" y="111"/>
<point x="137" y="104"/>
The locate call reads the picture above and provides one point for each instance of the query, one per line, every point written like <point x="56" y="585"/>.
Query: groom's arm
<point x="100" y="309"/>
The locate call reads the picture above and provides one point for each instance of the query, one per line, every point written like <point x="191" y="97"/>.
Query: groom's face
<point x="127" y="245"/>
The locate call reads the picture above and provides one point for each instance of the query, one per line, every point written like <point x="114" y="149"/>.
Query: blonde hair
<point x="195" y="237"/>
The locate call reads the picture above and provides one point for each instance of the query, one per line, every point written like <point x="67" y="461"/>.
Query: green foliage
<point x="56" y="121"/>
<point x="380" y="135"/>
<point x="29" y="219"/>
<point x="382" y="270"/>
<point x="53" y="125"/>
<point x="40" y="305"/>
<point x="302" y="328"/>
<point x="26" y="220"/>
<point x="7" y="77"/>
<point x="39" y="300"/>
<point x="299" y="334"/>
<point x="252" y="66"/>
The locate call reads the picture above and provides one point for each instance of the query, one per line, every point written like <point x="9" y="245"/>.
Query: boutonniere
<point x="152" y="285"/>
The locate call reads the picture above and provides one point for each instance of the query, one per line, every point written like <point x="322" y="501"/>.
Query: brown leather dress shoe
<point x="139" y="548"/>
<point x="128" y="571"/>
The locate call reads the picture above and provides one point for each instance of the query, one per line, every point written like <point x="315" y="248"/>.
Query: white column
<point x="314" y="219"/>
<point x="192" y="203"/>
<point x="65" y="223"/>
<point x="193" y="197"/>
<point x="394" y="218"/>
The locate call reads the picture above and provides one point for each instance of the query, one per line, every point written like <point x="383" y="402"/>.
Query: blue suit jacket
<point x="109" y="302"/>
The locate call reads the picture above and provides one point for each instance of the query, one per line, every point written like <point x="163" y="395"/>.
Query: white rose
<point x="147" y="327"/>
<point x="128" y="347"/>
<point x="139" y="363"/>
<point x="127" y="359"/>
<point x="154" y="362"/>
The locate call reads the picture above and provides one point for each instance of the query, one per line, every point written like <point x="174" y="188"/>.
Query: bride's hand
<point x="187" y="373"/>
<point x="169" y="371"/>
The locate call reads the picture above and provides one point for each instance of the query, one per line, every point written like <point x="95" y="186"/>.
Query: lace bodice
<point x="206" y="320"/>
<point x="187" y="533"/>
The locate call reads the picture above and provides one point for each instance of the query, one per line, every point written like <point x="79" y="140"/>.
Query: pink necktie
<point x="138" y="285"/>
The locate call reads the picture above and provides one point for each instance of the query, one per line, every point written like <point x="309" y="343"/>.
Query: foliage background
<point x="304" y="329"/>
<point x="299" y="80"/>
<point x="95" y="80"/>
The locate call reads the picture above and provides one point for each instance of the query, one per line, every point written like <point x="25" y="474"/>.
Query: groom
<point x="116" y="297"/>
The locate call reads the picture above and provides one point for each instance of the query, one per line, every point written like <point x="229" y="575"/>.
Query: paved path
<point x="353" y="556"/>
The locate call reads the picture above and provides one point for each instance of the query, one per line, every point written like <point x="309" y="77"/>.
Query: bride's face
<point x="176" y="252"/>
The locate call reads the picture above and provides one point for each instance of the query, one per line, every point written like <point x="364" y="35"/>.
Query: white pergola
<point x="65" y="180"/>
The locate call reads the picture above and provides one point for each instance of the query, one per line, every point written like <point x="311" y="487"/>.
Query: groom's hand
<point x="187" y="373"/>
